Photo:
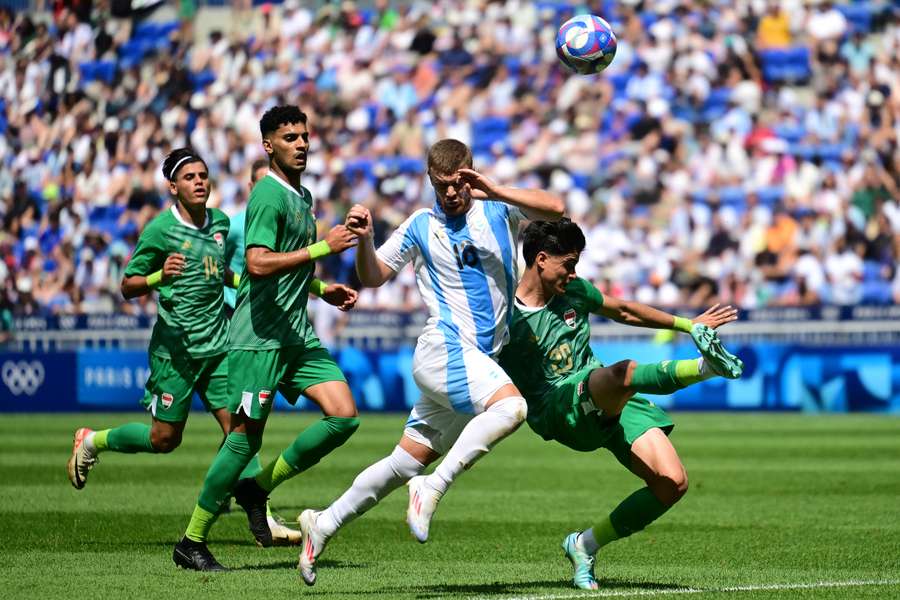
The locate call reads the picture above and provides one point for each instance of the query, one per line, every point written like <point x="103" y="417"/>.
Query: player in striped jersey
<point x="463" y="250"/>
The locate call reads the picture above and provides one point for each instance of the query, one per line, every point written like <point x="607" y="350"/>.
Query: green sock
<point x="666" y="377"/>
<point x="201" y="522"/>
<point x="233" y="457"/>
<point x="130" y="438"/>
<point x="308" y="448"/>
<point x="636" y="512"/>
<point x="253" y="468"/>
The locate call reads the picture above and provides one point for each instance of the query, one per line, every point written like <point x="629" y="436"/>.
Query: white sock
<point x="477" y="438"/>
<point x="369" y="487"/>
<point x="88" y="442"/>
<point x="705" y="371"/>
<point x="588" y="542"/>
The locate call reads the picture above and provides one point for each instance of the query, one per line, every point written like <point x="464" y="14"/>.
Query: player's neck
<point x="194" y="215"/>
<point x="530" y="292"/>
<point x="292" y="178"/>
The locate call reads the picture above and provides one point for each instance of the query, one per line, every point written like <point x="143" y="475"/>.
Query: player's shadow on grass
<point x="508" y="589"/>
<point x="292" y="565"/>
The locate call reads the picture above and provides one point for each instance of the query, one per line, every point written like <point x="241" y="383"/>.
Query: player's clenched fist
<point x="340" y="238"/>
<point x="340" y="295"/>
<point x="173" y="266"/>
<point x="359" y="220"/>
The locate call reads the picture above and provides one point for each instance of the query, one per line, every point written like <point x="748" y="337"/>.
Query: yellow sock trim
<point x="605" y="533"/>
<point x="688" y="371"/>
<point x="100" y="442"/>
<point x="201" y="522"/>
<point x="275" y="473"/>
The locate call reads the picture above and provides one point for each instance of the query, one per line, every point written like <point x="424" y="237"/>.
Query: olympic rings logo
<point x="23" y="377"/>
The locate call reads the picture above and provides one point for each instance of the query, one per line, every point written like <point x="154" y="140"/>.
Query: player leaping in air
<point x="575" y="400"/>
<point x="464" y="253"/>
<point x="272" y="343"/>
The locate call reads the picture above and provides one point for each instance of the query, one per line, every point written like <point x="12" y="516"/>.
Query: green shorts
<point x="570" y="418"/>
<point x="257" y="374"/>
<point x="172" y="384"/>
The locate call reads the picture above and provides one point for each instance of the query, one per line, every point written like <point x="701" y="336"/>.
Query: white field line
<point x="690" y="590"/>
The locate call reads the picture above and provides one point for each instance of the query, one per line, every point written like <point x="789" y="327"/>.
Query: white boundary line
<point x="688" y="590"/>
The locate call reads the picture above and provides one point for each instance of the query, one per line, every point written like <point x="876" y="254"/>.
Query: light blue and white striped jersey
<point x="466" y="269"/>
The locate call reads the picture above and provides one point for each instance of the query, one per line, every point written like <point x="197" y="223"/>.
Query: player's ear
<point x="173" y="189"/>
<point x="540" y="260"/>
<point x="267" y="146"/>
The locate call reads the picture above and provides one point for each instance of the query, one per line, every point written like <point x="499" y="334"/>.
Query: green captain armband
<point x="154" y="279"/>
<point x="318" y="250"/>
<point x="683" y="324"/>
<point x="317" y="287"/>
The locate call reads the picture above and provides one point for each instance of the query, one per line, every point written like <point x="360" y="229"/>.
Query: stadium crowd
<point x="743" y="152"/>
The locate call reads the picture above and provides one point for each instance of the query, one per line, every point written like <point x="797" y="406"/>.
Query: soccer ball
<point x="586" y="44"/>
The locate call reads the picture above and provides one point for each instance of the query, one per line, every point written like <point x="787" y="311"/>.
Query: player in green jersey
<point x="575" y="400"/>
<point x="181" y="254"/>
<point x="272" y="344"/>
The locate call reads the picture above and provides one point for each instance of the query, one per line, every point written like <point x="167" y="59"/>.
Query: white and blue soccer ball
<point x="586" y="44"/>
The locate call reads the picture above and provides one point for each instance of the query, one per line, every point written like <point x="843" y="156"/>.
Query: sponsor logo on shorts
<point x="264" y="396"/>
<point x="167" y="399"/>
<point x="570" y="317"/>
<point x="220" y="240"/>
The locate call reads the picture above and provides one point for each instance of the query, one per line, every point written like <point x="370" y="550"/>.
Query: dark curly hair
<point x="277" y="116"/>
<point x="556" y="238"/>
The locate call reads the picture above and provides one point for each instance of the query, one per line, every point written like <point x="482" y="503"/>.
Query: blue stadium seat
<point x="716" y="104"/>
<point x="790" y="133"/>
<point x="202" y="79"/>
<point x="733" y="196"/>
<point x="858" y="15"/>
<point x="786" y="64"/>
<point x="771" y="195"/>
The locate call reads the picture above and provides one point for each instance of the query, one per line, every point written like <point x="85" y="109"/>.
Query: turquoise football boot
<point x="582" y="562"/>
<point x="720" y="361"/>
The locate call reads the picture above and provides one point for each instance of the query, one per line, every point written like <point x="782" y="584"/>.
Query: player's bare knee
<point x="672" y="485"/>
<point x="165" y="440"/>
<point x="623" y="372"/>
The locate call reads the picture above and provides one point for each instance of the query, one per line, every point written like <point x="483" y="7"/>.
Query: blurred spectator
<point x="774" y="29"/>
<point x="720" y="157"/>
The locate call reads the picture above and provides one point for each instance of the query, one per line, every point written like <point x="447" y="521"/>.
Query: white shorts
<point x="456" y="381"/>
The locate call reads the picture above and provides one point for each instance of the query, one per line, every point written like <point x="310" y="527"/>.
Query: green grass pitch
<point x="780" y="506"/>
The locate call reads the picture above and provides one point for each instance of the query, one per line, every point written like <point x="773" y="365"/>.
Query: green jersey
<point x="550" y="343"/>
<point x="191" y="319"/>
<point x="271" y="311"/>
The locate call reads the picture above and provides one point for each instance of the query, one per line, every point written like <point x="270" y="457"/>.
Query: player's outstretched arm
<point x="139" y="285"/>
<point x="536" y="204"/>
<point x="372" y="272"/>
<point x="264" y="262"/>
<point x="642" y="315"/>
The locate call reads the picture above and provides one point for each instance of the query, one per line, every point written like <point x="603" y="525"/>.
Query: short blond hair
<point x="446" y="156"/>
